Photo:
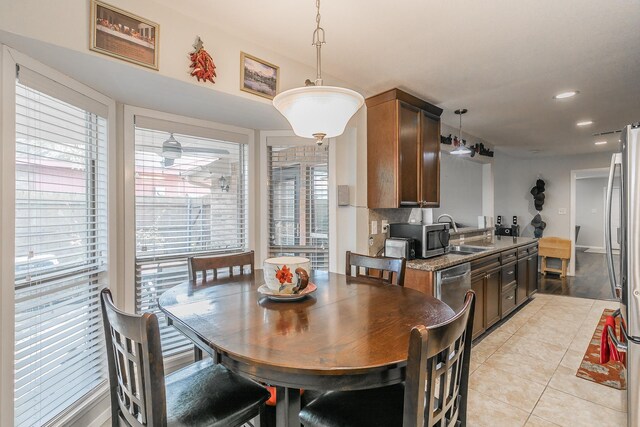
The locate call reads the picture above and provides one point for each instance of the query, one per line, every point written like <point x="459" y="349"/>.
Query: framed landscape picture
<point x="258" y="77"/>
<point x="123" y="35"/>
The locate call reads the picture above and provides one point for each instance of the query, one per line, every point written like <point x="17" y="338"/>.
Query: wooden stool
<point x="554" y="247"/>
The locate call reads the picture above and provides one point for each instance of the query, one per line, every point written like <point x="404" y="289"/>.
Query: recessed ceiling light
<point x="601" y="142"/>
<point x="585" y="123"/>
<point x="565" y="95"/>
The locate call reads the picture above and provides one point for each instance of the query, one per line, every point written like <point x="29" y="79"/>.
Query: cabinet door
<point x="477" y="284"/>
<point x="492" y="295"/>
<point x="430" y="165"/>
<point x="532" y="273"/>
<point x="408" y="154"/>
<point x="523" y="277"/>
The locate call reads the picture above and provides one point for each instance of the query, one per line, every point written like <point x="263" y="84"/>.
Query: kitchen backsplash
<point x="392" y="216"/>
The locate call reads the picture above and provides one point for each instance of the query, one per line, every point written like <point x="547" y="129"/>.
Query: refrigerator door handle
<point x="615" y="289"/>
<point x="620" y="346"/>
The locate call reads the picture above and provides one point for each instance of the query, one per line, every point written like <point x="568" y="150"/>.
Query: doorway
<point x="588" y="277"/>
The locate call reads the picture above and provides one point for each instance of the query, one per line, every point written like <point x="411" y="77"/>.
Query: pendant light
<point x="171" y="148"/>
<point x="461" y="149"/>
<point x="318" y="111"/>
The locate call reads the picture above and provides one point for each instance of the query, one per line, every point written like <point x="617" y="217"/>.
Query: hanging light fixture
<point x="171" y="148"/>
<point x="461" y="149"/>
<point x="317" y="111"/>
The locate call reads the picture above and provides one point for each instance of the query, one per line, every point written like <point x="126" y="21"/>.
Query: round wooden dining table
<point x="349" y="334"/>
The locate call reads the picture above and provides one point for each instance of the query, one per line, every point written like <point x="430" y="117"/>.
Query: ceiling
<point x="502" y="59"/>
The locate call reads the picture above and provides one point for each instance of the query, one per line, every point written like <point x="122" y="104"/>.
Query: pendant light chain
<point x="318" y="41"/>
<point x="460" y="136"/>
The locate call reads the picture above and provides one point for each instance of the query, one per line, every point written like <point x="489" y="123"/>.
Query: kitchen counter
<point x="496" y="244"/>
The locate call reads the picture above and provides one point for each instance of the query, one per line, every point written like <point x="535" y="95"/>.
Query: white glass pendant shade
<point x="461" y="150"/>
<point x="318" y="110"/>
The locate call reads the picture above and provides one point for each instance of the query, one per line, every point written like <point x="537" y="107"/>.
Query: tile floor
<point x="523" y="372"/>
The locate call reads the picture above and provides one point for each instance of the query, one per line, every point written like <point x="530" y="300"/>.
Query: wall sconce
<point x="224" y="183"/>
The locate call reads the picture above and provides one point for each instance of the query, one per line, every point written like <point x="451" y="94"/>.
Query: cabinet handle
<point x="511" y="297"/>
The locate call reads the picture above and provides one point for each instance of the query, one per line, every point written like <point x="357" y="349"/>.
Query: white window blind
<point x="60" y="246"/>
<point x="194" y="204"/>
<point x="299" y="202"/>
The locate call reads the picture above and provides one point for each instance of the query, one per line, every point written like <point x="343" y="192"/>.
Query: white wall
<point x="514" y="177"/>
<point x="590" y="211"/>
<point x="461" y="189"/>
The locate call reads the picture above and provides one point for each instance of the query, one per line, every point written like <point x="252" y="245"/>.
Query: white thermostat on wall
<point x="343" y="195"/>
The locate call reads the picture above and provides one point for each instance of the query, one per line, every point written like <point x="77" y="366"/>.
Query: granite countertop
<point x="496" y="244"/>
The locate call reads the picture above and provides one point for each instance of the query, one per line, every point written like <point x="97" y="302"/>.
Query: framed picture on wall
<point x="118" y="33"/>
<point x="258" y="77"/>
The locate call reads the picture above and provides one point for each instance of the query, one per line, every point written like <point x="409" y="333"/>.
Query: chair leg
<point x="564" y="267"/>
<point x="197" y="353"/>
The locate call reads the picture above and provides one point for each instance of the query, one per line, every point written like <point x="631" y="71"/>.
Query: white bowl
<point x="280" y="273"/>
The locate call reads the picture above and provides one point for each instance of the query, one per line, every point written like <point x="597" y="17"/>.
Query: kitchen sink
<point x="467" y="249"/>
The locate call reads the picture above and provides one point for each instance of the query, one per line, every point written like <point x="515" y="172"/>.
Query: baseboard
<point x="595" y="248"/>
<point x="102" y="419"/>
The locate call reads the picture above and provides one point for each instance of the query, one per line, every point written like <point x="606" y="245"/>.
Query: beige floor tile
<point x="514" y="323"/>
<point x="582" y="339"/>
<point x="534" y="421"/>
<point x="533" y="348"/>
<point x="485" y="348"/>
<point x="527" y="367"/>
<point x="565" y="380"/>
<point x="506" y="387"/>
<point x="570" y="411"/>
<point x="601" y="305"/>
<point x="561" y="314"/>
<point x="484" y="411"/>
<point x="473" y="365"/>
<point x="559" y="325"/>
<point x="549" y="335"/>
<point x="572" y="359"/>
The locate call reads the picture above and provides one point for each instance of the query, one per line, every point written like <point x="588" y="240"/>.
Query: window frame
<point x="10" y="59"/>
<point x="128" y="285"/>
<point x="280" y="138"/>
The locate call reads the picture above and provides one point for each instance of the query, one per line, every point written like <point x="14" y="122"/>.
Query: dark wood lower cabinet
<point x="521" y="289"/>
<point x="477" y="284"/>
<point x="501" y="281"/>
<point x="492" y="294"/>
<point x="532" y="273"/>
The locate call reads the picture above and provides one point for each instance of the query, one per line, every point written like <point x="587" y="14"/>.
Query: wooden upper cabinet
<point x="430" y="151"/>
<point x="409" y="147"/>
<point x="403" y="151"/>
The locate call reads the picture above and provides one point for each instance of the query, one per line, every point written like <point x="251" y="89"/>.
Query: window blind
<point x="189" y="201"/>
<point x="61" y="249"/>
<point x="299" y="202"/>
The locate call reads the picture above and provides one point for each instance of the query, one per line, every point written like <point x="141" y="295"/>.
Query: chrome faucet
<point x="453" y="223"/>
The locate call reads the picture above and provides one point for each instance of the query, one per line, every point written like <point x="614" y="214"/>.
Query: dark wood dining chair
<point x="202" y="394"/>
<point x="434" y="393"/>
<point x="384" y="269"/>
<point x="244" y="262"/>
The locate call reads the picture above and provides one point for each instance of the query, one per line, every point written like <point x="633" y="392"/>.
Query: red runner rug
<point x="611" y="374"/>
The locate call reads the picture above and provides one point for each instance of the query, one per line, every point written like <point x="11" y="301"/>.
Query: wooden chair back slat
<point x="136" y="371"/>
<point x="438" y="371"/>
<point x="386" y="270"/>
<point x="244" y="262"/>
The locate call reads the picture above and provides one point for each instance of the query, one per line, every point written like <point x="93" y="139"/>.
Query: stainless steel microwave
<point x="430" y="239"/>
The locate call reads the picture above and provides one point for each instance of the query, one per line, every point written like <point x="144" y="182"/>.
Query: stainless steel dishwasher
<point x="452" y="284"/>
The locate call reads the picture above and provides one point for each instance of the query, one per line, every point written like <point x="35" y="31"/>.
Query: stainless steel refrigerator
<point x="627" y="288"/>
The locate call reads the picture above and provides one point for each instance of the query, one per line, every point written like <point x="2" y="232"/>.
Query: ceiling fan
<point x="172" y="150"/>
